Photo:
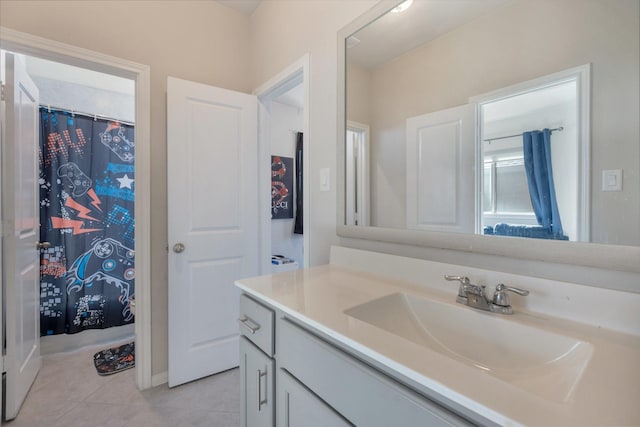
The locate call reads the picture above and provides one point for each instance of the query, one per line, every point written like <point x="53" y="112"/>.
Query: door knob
<point x="43" y="245"/>
<point x="178" y="247"/>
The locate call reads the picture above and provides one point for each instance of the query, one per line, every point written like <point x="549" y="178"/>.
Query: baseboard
<point x="159" y="379"/>
<point x="61" y="343"/>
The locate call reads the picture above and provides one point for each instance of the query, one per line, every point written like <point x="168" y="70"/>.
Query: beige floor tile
<point x="218" y="392"/>
<point x="69" y="393"/>
<point x="121" y="391"/>
<point x="180" y="417"/>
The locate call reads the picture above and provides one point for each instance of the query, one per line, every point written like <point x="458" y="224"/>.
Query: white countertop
<point x="608" y="392"/>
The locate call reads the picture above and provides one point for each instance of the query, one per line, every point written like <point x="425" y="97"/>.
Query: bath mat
<point x="115" y="359"/>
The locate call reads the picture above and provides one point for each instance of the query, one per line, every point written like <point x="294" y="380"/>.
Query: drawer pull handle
<point x="261" y="401"/>
<point x="249" y="324"/>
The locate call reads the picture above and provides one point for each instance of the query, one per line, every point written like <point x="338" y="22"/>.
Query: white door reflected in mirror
<point x="456" y="51"/>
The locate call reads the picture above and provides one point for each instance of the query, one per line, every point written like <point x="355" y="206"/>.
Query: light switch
<point x="612" y="180"/>
<point x="325" y="179"/>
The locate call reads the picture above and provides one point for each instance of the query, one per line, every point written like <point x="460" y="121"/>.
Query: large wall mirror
<point x="474" y="125"/>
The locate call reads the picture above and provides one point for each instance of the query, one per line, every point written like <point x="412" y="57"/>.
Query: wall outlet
<point x="612" y="180"/>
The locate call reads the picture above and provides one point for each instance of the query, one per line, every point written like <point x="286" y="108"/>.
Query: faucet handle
<point x="466" y="287"/>
<point x="500" y="296"/>
<point x="464" y="280"/>
<point x="464" y="283"/>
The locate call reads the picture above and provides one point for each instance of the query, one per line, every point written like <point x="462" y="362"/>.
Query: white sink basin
<point x="542" y="362"/>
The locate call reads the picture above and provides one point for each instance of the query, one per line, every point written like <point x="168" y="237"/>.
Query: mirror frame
<point x="608" y="257"/>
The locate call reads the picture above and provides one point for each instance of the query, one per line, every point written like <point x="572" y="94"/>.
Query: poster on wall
<point x="281" y="187"/>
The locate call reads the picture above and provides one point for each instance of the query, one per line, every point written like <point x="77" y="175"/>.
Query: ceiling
<point x="396" y="33"/>
<point x="245" y="6"/>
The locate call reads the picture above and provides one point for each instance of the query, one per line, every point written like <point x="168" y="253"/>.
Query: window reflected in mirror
<point x="535" y="193"/>
<point x="409" y="74"/>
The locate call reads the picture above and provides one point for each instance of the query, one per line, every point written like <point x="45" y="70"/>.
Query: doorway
<point x="66" y="54"/>
<point x="357" y="174"/>
<point x="283" y="110"/>
<point x="87" y="187"/>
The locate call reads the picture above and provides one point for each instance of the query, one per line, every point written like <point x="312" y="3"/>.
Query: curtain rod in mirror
<point x="558" y="129"/>
<point x="603" y="256"/>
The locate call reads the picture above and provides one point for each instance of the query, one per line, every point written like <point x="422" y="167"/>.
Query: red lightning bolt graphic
<point x="95" y="199"/>
<point x="82" y="211"/>
<point x="112" y="125"/>
<point x="71" y="223"/>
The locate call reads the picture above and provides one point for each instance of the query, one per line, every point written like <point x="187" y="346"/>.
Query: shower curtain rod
<point x="95" y="116"/>
<point x="558" y="129"/>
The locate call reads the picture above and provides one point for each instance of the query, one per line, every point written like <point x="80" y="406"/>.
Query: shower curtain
<point x="87" y="185"/>
<point x="537" y="163"/>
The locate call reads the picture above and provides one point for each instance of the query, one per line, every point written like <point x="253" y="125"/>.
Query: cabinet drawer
<point x="256" y="323"/>
<point x="359" y="393"/>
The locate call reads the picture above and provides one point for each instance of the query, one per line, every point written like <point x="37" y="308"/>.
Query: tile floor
<point x="69" y="393"/>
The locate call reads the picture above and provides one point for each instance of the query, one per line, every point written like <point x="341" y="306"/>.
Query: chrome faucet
<point x="474" y="296"/>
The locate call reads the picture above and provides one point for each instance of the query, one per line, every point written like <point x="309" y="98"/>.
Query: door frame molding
<point x="295" y="74"/>
<point x="362" y="177"/>
<point x="31" y="45"/>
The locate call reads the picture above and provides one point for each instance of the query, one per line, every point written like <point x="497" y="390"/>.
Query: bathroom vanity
<point x="378" y="340"/>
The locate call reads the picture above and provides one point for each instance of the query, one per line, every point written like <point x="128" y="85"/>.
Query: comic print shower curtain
<point x="86" y="214"/>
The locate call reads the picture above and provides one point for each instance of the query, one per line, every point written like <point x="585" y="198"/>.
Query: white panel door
<point x="213" y="223"/>
<point x="21" y="227"/>
<point x="441" y="170"/>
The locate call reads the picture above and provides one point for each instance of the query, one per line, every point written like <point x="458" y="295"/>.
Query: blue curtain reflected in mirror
<point x="537" y="162"/>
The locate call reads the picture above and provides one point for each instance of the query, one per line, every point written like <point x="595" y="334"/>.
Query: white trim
<point x="594" y="255"/>
<point x="2" y="227"/>
<point x="582" y="76"/>
<point x="363" y="190"/>
<point x="379" y="9"/>
<point x="293" y="75"/>
<point x="159" y="379"/>
<point x="55" y="51"/>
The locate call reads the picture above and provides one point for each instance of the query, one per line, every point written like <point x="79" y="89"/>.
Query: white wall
<point x="86" y="99"/>
<point x="358" y="100"/>
<point x="62" y="343"/>
<point x="209" y="43"/>
<point x="577" y="32"/>
<point x="81" y="90"/>
<point x="201" y="41"/>
<point x="282" y="31"/>
<point x="285" y="122"/>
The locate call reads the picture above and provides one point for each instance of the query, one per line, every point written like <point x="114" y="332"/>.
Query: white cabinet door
<point x="212" y="162"/>
<point x="441" y="171"/>
<point x="257" y="408"/>
<point x="21" y="231"/>
<point x="299" y="407"/>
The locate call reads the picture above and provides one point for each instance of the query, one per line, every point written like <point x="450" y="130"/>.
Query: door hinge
<point x="2" y="86"/>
